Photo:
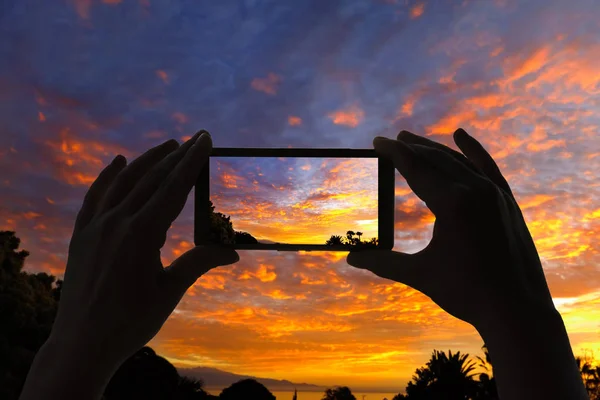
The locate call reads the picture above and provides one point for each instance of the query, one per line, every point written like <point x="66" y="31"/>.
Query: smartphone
<point x="292" y="199"/>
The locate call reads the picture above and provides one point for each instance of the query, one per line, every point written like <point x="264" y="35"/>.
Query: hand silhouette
<point x="481" y="262"/>
<point x="116" y="294"/>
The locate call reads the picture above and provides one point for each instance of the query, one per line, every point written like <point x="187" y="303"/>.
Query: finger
<point x="411" y="138"/>
<point x="396" y="266"/>
<point x="428" y="183"/>
<point x="480" y="157"/>
<point x="144" y="189"/>
<point x="442" y="161"/>
<point x="97" y="191"/>
<point x="170" y="198"/>
<point x="192" y="264"/>
<point x="132" y="174"/>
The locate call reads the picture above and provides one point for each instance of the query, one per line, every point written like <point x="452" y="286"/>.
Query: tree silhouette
<point x="221" y="229"/>
<point x="28" y="305"/>
<point x="144" y="375"/>
<point x="445" y="376"/>
<point x="190" y="389"/>
<point x="246" y="389"/>
<point x="487" y="383"/>
<point x="350" y="241"/>
<point x="244" y="238"/>
<point x="339" y="393"/>
<point x="590" y="375"/>
<point x="334" y="240"/>
<point x="350" y="237"/>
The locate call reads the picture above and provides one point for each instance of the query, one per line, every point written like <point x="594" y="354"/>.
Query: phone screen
<point x="288" y="200"/>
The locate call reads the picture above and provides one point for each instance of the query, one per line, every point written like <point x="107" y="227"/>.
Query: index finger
<point x="168" y="201"/>
<point x="428" y="183"/>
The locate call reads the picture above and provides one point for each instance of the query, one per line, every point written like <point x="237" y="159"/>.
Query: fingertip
<point x="119" y="161"/>
<point x="360" y="258"/>
<point x="226" y="256"/>
<point x="460" y="132"/>
<point x="403" y="134"/>
<point x="171" y="143"/>
<point x="377" y="140"/>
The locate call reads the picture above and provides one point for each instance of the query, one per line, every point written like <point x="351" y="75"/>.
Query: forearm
<point x="59" y="374"/>
<point x="532" y="358"/>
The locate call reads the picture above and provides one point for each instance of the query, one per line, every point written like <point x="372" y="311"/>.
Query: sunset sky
<point x="296" y="200"/>
<point x="84" y="80"/>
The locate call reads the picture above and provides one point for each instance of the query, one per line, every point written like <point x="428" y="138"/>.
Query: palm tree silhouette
<point x="445" y="376"/>
<point x="359" y="234"/>
<point x="334" y="240"/>
<point x="590" y="376"/>
<point x="350" y="236"/>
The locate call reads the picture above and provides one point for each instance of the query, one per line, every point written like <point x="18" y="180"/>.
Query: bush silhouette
<point x="246" y="389"/>
<point x="145" y="375"/>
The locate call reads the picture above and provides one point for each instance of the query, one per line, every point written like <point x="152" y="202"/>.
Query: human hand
<point x="116" y="294"/>
<point x="481" y="263"/>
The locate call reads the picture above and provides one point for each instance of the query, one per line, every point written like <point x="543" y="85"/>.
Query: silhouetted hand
<point x="481" y="261"/>
<point x="481" y="265"/>
<point x="116" y="294"/>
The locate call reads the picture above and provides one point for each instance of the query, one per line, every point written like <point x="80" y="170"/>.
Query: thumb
<point x="187" y="268"/>
<point x="394" y="265"/>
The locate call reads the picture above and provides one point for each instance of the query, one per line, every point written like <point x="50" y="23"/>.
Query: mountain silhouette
<point x="216" y="378"/>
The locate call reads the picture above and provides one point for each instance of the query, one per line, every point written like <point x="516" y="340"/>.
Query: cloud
<point x="294" y="121"/>
<point x="417" y="10"/>
<point x="266" y="85"/>
<point x="351" y="116"/>
<point x="520" y="76"/>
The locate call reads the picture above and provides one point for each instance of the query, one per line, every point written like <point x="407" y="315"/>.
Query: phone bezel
<point x="385" y="185"/>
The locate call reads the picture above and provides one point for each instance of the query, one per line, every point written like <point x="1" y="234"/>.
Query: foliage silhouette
<point x="145" y="375"/>
<point x="28" y="305"/>
<point x="590" y="374"/>
<point x="244" y="238"/>
<point x="445" y="376"/>
<point x="339" y="393"/>
<point x="222" y="232"/>
<point x="246" y="389"/>
<point x="351" y="241"/>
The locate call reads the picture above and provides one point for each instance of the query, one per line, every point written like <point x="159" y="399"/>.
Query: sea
<point x="319" y="395"/>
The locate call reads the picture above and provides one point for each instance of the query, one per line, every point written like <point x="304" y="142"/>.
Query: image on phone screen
<point x="299" y="202"/>
<point x="282" y="200"/>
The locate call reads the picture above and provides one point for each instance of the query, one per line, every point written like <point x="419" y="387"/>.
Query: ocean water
<point x="319" y="395"/>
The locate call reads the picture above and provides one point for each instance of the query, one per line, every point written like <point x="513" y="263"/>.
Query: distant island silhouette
<point x="216" y="378"/>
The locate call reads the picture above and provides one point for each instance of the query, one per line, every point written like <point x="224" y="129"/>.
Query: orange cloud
<point x="544" y="146"/>
<point x="417" y="10"/>
<point x="267" y="85"/>
<point x="41" y="116"/>
<point x="31" y="215"/>
<point x="180" y="117"/>
<point x="294" y="121"/>
<point x="448" y="124"/>
<point x="351" y="116"/>
<point x="82" y="7"/>
<point x="163" y="75"/>
<point x="517" y="68"/>
<point x="80" y="160"/>
<point x="264" y="273"/>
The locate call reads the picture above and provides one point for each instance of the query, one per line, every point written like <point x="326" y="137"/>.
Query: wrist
<point x="67" y="370"/>
<point x="532" y="336"/>
<point x="519" y="321"/>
